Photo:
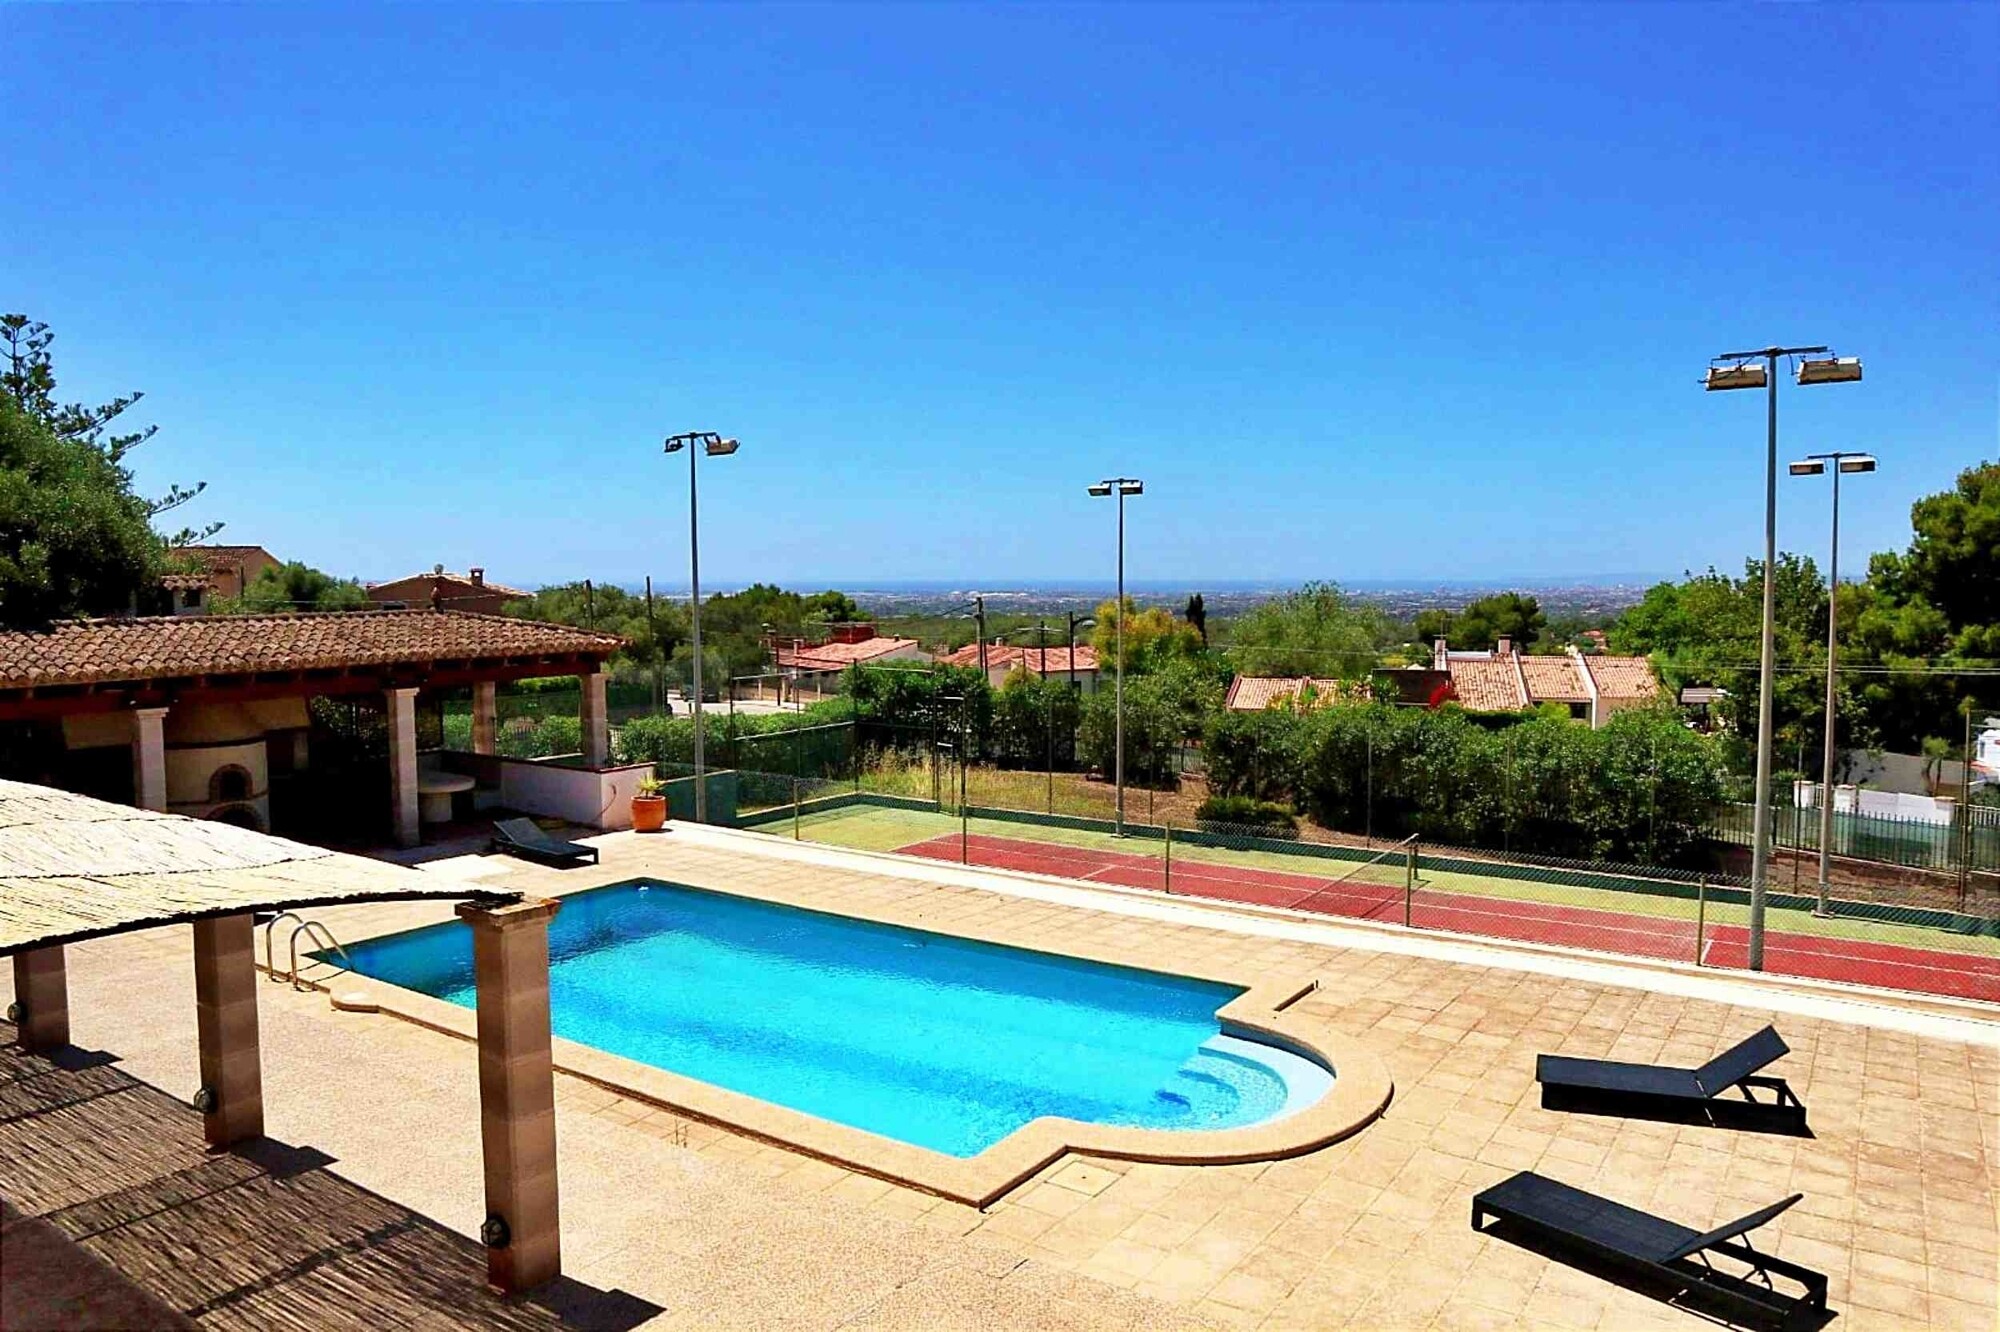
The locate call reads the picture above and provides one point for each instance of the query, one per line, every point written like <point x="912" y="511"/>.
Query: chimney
<point x="478" y="576"/>
<point x="1439" y="655"/>
<point x="1506" y="648"/>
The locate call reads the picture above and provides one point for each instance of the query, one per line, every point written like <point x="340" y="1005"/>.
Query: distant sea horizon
<point x="1002" y="587"/>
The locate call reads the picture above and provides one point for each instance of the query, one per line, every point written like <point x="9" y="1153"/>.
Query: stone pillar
<point x="485" y="717"/>
<point x="225" y="1002"/>
<point x="517" y="1111"/>
<point x="41" y="988"/>
<point x="596" y="722"/>
<point x="149" y="758"/>
<point x="403" y="766"/>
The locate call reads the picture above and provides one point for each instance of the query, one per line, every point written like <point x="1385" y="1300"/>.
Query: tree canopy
<point x="30" y="380"/>
<point x="1153" y="637"/>
<point x="296" y="586"/>
<point x="1317" y="630"/>
<point x="1484" y="622"/>
<point x="1913" y="634"/>
<point x="74" y="539"/>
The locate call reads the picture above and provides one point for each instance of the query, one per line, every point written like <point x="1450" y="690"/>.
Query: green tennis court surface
<point x="1636" y="923"/>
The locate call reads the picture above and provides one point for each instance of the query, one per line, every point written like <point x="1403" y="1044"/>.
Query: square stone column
<point x="41" y="988"/>
<point x="517" y="1108"/>
<point x="485" y="717"/>
<point x="149" y="758"/>
<point x="596" y="721"/>
<point x="403" y="766"/>
<point x="225" y="1004"/>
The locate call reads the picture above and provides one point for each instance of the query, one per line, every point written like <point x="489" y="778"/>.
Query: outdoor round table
<point x="434" y="793"/>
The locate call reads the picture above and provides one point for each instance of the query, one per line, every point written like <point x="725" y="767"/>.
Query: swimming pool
<point x="947" y="1043"/>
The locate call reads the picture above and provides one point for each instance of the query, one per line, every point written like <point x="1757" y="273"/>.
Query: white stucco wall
<point x="595" y="798"/>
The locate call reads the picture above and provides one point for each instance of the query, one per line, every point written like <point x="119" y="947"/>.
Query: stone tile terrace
<point x="713" y="1229"/>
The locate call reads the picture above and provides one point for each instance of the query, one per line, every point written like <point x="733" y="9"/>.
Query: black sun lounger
<point x="1665" y="1259"/>
<point x="520" y="837"/>
<point x="1651" y="1091"/>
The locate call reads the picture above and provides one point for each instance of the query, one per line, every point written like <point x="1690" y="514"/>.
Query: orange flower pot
<point x="649" y="813"/>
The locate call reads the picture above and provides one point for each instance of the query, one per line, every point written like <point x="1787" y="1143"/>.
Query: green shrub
<point x="1248" y="812"/>
<point x="1640" y="789"/>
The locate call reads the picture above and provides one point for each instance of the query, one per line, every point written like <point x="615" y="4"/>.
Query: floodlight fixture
<point x="1745" y="375"/>
<point x="1829" y="370"/>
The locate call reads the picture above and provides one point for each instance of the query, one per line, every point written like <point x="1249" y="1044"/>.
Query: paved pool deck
<point x="689" y="1225"/>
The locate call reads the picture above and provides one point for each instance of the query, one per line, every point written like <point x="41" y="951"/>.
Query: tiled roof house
<point x="1592" y="686"/>
<point x="440" y="589"/>
<point x="850" y="645"/>
<point x="1047" y="662"/>
<point x="1254" y="693"/>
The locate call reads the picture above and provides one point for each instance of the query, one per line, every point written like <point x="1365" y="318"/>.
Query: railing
<point x="1969" y="838"/>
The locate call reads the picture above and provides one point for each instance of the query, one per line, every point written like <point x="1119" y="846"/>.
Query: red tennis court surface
<point x="1929" y="971"/>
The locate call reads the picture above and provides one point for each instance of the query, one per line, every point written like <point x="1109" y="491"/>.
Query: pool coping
<point x="1362" y="1086"/>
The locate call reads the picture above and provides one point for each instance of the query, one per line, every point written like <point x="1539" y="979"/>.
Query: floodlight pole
<point x="1833" y="462"/>
<point x="1120" y="486"/>
<point x="1760" y="837"/>
<point x="710" y="442"/>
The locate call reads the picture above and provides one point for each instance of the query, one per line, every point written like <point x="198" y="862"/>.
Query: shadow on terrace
<point x="99" y="1169"/>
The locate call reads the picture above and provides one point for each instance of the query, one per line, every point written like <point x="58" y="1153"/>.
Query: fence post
<point x="795" y="807"/>
<point x="1167" y="862"/>
<point x="1700" y="916"/>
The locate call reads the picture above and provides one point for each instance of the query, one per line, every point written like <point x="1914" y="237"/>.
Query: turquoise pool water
<point x="941" y="1042"/>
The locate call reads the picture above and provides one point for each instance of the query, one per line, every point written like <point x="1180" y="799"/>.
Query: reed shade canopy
<point x="73" y="867"/>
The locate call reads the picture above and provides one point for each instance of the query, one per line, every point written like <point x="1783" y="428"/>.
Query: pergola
<point x="74" y="868"/>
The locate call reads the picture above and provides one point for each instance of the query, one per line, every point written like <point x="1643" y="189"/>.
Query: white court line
<point x="1967" y="1021"/>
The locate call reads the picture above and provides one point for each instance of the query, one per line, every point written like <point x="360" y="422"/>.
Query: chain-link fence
<point x="1949" y="949"/>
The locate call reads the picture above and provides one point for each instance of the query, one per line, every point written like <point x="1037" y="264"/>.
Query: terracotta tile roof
<point x="1624" y="677"/>
<point x="839" y="656"/>
<point x="210" y="556"/>
<point x="448" y="579"/>
<point x="1042" y="661"/>
<point x="181" y="582"/>
<point x="1486" y="683"/>
<point x="1554" y="680"/>
<point x="1254" y="693"/>
<point x="167" y="647"/>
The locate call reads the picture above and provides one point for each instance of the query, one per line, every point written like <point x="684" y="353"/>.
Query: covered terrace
<point x="74" y="868"/>
<point x="208" y="715"/>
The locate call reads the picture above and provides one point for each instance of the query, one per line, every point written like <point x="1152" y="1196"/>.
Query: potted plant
<point x="649" y="806"/>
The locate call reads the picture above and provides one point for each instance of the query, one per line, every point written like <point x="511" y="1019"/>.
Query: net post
<point x="1700" y="915"/>
<point x="1409" y="881"/>
<point x="1167" y="862"/>
<point x="795" y="807"/>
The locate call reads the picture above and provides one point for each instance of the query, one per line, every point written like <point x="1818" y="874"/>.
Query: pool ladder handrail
<point x="270" y="971"/>
<point x="312" y="929"/>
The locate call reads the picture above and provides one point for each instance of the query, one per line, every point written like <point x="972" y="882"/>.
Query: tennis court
<point x="1636" y="924"/>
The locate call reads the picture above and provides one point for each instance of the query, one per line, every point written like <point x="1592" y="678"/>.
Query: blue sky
<point x="1361" y="291"/>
